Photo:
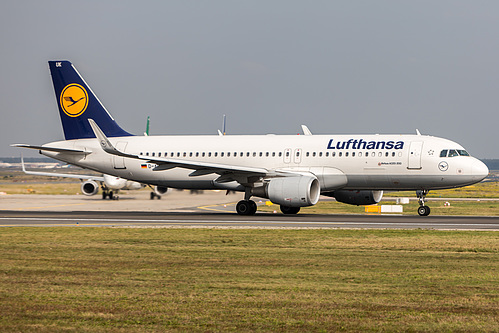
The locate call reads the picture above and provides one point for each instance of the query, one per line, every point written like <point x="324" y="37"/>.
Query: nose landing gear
<point x="423" y="210"/>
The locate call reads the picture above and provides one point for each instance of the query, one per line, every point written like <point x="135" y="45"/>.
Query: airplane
<point x="289" y="170"/>
<point x="110" y="185"/>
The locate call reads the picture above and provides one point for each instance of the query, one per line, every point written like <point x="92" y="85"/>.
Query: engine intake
<point x="160" y="190"/>
<point x="89" y="187"/>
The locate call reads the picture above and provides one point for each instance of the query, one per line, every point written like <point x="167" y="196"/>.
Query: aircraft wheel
<point x="246" y="207"/>
<point x="152" y="195"/>
<point x="289" y="210"/>
<point x="104" y="195"/>
<point x="424" y="210"/>
<point x="111" y="197"/>
<point x="253" y="206"/>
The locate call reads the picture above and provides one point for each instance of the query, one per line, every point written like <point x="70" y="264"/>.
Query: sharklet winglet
<point x="105" y="144"/>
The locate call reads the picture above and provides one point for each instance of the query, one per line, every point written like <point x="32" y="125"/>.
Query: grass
<point x="205" y="280"/>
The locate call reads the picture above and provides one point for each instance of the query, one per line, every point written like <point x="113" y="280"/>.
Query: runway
<point x="260" y="220"/>
<point x="181" y="209"/>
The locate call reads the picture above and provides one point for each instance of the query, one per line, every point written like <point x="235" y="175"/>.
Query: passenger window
<point x="204" y="154"/>
<point x="147" y="154"/>
<point x="197" y="154"/>
<point x="185" y="154"/>
<point x="273" y="154"/>
<point x="216" y="154"/>
<point x="320" y="154"/>
<point x="333" y="154"/>
<point x="386" y="154"/>
<point x="209" y="154"/>
<point x="190" y="154"/>
<point x="327" y="154"/>
<point x="280" y="154"/>
<point x="452" y="153"/>
<point x="353" y="154"/>
<point x="393" y="154"/>
<point x="367" y="154"/>
<point x="346" y="154"/>
<point x="267" y="154"/>
<point x="443" y="153"/>
<point x="339" y="154"/>
<point x="247" y="154"/>
<point x="261" y="154"/>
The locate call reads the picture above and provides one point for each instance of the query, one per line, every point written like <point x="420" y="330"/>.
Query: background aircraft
<point x="110" y="185"/>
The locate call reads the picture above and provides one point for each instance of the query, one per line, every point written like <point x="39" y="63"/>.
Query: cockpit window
<point x="453" y="152"/>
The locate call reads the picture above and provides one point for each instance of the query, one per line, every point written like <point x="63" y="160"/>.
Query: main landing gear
<point x="246" y="207"/>
<point x="109" y="194"/>
<point x="423" y="210"/>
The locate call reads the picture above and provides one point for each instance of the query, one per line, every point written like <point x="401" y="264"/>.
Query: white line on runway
<point x="152" y="221"/>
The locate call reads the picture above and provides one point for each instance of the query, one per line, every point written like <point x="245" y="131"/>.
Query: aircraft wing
<point x="227" y="172"/>
<point x="65" y="175"/>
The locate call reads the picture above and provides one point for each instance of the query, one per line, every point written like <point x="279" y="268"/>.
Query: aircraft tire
<point x="289" y="210"/>
<point x="246" y="207"/>
<point x="424" y="210"/>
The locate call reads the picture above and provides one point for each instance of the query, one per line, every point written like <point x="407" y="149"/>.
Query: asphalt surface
<point x="214" y="219"/>
<point x="212" y="209"/>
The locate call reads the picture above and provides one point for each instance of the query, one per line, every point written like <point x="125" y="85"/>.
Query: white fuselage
<point x="361" y="162"/>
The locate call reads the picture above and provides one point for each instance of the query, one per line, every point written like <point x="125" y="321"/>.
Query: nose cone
<point x="479" y="170"/>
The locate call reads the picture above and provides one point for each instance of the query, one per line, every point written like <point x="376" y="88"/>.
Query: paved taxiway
<point x="212" y="209"/>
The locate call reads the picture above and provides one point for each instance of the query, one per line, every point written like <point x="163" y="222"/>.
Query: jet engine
<point x="160" y="190"/>
<point x="89" y="187"/>
<point x="354" y="197"/>
<point x="295" y="191"/>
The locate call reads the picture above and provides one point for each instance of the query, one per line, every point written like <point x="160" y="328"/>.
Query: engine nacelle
<point x="353" y="197"/>
<point x="297" y="191"/>
<point x="160" y="190"/>
<point x="89" y="187"/>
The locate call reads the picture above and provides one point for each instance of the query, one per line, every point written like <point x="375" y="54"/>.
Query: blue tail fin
<point x="77" y="103"/>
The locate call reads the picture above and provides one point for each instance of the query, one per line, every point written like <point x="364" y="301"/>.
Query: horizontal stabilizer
<point x="54" y="149"/>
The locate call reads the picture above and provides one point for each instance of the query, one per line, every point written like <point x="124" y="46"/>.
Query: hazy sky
<point x="270" y="66"/>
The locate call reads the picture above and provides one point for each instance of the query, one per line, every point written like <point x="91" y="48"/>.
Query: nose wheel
<point x="423" y="210"/>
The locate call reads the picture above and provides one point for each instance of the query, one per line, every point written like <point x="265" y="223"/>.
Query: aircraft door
<point x="287" y="155"/>
<point x="119" y="162"/>
<point x="297" y="156"/>
<point x="415" y="155"/>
